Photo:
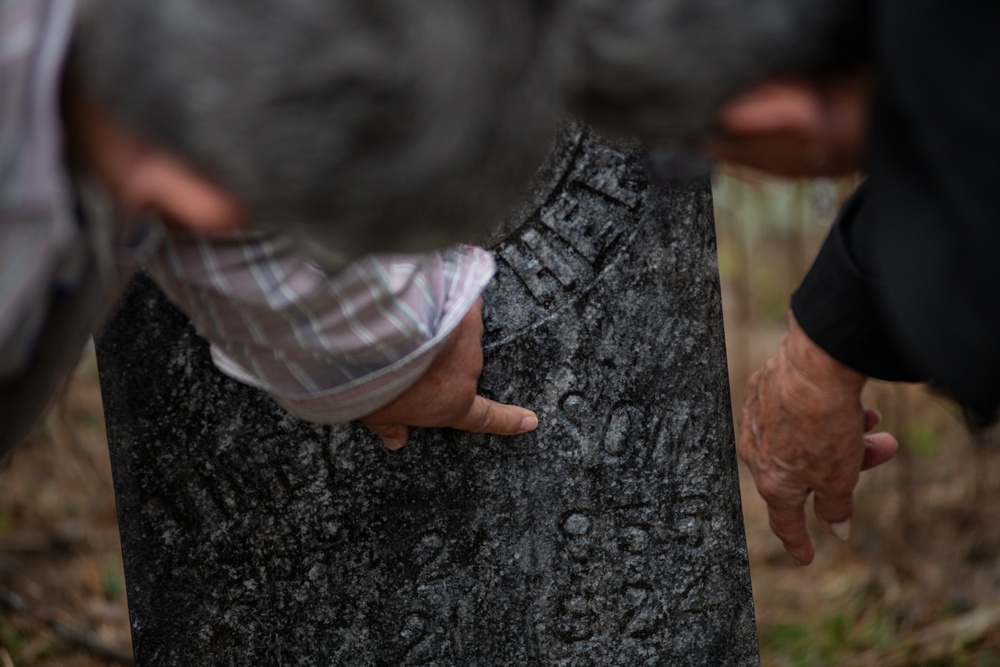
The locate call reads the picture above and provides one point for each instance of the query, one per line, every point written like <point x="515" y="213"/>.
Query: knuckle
<point x="376" y="428"/>
<point x="834" y="508"/>
<point x="837" y="487"/>
<point x="787" y="532"/>
<point x="466" y="397"/>
<point x="778" y="528"/>
<point x="770" y="489"/>
<point x="456" y="397"/>
<point x="489" y="419"/>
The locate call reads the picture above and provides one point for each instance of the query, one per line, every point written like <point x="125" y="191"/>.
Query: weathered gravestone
<point x="610" y="536"/>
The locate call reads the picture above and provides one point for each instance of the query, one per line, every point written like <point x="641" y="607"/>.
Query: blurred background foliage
<point x="918" y="583"/>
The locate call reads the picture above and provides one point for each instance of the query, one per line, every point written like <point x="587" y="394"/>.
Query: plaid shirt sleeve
<point x="327" y="348"/>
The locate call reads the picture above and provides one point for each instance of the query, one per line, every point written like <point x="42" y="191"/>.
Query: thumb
<point x="394" y="436"/>
<point x="879" y="448"/>
<point x="486" y="416"/>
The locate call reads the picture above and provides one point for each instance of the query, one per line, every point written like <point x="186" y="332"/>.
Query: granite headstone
<point x="610" y="536"/>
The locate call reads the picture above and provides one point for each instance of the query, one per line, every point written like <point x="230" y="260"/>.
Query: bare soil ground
<point x="62" y="590"/>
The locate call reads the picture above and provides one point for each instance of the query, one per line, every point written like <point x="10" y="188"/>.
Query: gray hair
<point x="370" y="124"/>
<point x="662" y="68"/>
<point x="406" y="124"/>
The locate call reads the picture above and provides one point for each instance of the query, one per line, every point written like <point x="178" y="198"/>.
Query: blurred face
<point x="145" y="178"/>
<point x="796" y="128"/>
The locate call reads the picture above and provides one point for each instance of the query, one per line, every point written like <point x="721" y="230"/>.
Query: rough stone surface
<point x="611" y="536"/>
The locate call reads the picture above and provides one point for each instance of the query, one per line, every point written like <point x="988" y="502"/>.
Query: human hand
<point x="796" y="127"/>
<point x="802" y="431"/>
<point x="445" y="395"/>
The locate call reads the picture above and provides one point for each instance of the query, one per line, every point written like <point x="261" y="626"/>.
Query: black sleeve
<point x="835" y="306"/>
<point x="907" y="286"/>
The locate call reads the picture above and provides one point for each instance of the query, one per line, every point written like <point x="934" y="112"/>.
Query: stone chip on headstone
<point x="610" y="536"/>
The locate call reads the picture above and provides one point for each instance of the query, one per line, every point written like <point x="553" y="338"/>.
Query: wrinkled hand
<point x="445" y="395"/>
<point x="802" y="431"/>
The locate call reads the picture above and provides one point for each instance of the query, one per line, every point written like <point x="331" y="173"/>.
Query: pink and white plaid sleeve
<point x="327" y="348"/>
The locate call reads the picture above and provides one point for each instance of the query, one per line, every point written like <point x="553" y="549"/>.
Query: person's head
<point x="663" y="68"/>
<point x="370" y="125"/>
<point x="362" y="124"/>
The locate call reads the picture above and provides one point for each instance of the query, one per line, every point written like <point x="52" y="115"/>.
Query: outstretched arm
<point x="393" y="340"/>
<point x="802" y="432"/>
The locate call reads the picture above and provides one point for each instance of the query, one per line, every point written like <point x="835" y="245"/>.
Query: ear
<point x="774" y="107"/>
<point x="159" y="181"/>
<point x="143" y="176"/>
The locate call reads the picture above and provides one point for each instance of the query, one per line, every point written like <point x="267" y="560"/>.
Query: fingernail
<point x="393" y="443"/>
<point x="529" y="423"/>
<point x="842" y="529"/>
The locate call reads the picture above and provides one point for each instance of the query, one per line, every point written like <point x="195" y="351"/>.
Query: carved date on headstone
<point x="610" y="536"/>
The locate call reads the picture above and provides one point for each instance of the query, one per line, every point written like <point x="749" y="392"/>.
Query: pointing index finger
<point x="486" y="416"/>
